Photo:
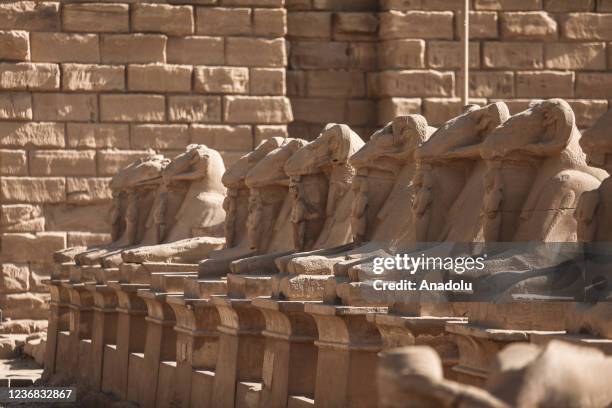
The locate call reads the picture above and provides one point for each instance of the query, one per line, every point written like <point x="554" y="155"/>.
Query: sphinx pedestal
<point x="59" y="320"/>
<point x="241" y="350"/>
<point x="290" y="356"/>
<point x="492" y="326"/>
<point x="348" y="345"/>
<point x="399" y="331"/>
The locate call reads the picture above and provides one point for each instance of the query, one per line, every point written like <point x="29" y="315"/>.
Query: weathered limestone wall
<point x="520" y="50"/>
<point x="87" y="87"/>
<point x="331" y="56"/>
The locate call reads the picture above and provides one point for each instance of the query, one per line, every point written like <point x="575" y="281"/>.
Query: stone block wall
<point x="86" y="87"/>
<point x="332" y="52"/>
<point x="520" y="50"/>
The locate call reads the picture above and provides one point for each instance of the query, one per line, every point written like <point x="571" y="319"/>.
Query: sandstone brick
<point x="21" y="218"/>
<point x="14" y="163"/>
<point x="223" y="21"/>
<point x="361" y="112"/>
<point x="513" y="55"/>
<point x="33" y="190"/>
<point x="594" y="85"/>
<point x="456" y="5"/>
<point x="159" y="78"/>
<point x="31" y="134"/>
<point x="345" y="5"/>
<point x="416" y="24"/>
<point x="132" y="108"/>
<point x="309" y="24"/>
<point x="335" y="83"/>
<point x="86" y="239"/>
<point x="507" y="4"/>
<point x="196" y="2"/>
<point x="449" y="54"/>
<point x="583" y="56"/>
<point x="61" y="47"/>
<point x="545" y="84"/>
<point x="355" y="26"/>
<point x="87" y="190"/>
<point x="111" y="161"/>
<point x="28" y="76"/>
<point x="439" y="110"/>
<point x="97" y="135"/>
<point x="484" y="84"/>
<point x="25" y="305"/>
<point x="270" y="22"/>
<point x="390" y="108"/>
<point x="401" y="54"/>
<point x="188" y="50"/>
<point x="15" y="105"/>
<point x="133" y="48"/>
<point x="14" y="45"/>
<point x="588" y="26"/>
<point x="298" y="4"/>
<point x="415" y="83"/>
<point x="30" y="15"/>
<point x="194" y="109"/>
<point x="318" y="110"/>
<point x="255" y="52"/>
<point x="58" y="106"/>
<point x="252" y="3"/>
<point x="604" y="6"/>
<point x="262" y="109"/>
<point x="483" y="25"/>
<point x="401" y="5"/>
<point x="94" y="17"/>
<point x="587" y="111"/>
<point x="69" y="217"/>
<point x="163" y="18"/>
<point x="221" y="80"/>
<point x="63" y="163"/>
<point x="14" y="277"/>
<point x="314" y="55"/>
<point x="263" y="132"/>
<point x="564" y="6"/>
<point x="89" y="77"/>
<point x="533" y="25"/>
<point x="267" y="81"/>
<point x="30" y="247"/>
<point x="222" y="137"/>
<point x="160" y="136"/>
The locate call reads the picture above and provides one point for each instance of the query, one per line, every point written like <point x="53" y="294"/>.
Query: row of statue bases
<point x="251" y="286"/>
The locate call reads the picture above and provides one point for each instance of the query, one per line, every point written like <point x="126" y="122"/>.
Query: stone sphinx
<point x="591" y="320"/>
<point x="558" y="376"/>
<point x="137" y="178"/>
<point x="142" y="171"/>
<point x="190" y="225"/>
<point x="377" y="210"/>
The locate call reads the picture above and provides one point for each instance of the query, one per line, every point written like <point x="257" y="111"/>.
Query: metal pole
<point x="465" y="97"/>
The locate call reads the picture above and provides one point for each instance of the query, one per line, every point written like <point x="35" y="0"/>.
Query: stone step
<point x="249" y="286"/>
<point x="195" y="288"/>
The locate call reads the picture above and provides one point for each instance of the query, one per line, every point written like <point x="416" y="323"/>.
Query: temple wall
<point x="88" y="87"/>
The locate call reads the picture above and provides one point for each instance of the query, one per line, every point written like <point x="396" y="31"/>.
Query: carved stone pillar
<point x="290" y="356"/>
<point x="348" y="346"/>
<point x="241" y="349"/>
<point x="196" y="346"/>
